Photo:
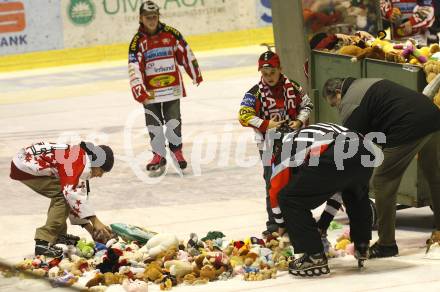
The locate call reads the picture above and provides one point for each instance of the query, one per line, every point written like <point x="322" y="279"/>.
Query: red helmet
<point x="268" y="59"/>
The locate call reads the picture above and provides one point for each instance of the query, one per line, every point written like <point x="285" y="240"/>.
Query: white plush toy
<point x="178" y="268"/>
<point x="160" y="243"/>
<point x="135" y="286"/>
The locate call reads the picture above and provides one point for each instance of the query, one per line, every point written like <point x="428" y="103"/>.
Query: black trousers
<point x="271" y="225"/>
<point x="164" y="114"/>
<point x="311" y="186"/>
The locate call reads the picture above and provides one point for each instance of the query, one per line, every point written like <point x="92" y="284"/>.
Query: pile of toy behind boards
<point x="138" y="256"/>
<point x="364" y="45"/>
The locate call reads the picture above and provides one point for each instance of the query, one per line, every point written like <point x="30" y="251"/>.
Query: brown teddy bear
<point x="358" y="53"/>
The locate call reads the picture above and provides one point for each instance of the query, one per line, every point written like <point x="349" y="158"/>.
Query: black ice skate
<point x="381" y="251"/>
<point x="45" y="248"/>
<point x="361" y="253"/>
<point x="309" y="265"/>
<point x="67" y="239"/>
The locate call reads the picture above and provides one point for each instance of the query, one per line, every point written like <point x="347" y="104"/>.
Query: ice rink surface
<point x="222" y="188"/>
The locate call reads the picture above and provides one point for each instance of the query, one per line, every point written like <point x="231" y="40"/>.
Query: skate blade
<point x="156" y="172"/>
<point x="313" y="272"/>
<point x="361" y="264"/>
<point x="176" y="166"/>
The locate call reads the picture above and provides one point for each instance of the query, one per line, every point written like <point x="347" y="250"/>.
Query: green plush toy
<point x="212" y="235"/>
<point x="85" y="249"/>
<point x="132" y="233"/>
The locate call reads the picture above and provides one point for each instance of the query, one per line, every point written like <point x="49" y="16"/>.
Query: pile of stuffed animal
<point x="166" y="261"/>
<point x="432" y="70"/>
<point x="364" y="45"/>
<point x="163" y="260"/>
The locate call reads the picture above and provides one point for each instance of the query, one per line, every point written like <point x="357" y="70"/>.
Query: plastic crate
<point x="411" y="76"/>
<point x="323" y="66"/>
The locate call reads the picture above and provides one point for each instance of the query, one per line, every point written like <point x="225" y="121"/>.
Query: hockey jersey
<point x="153" y="65"/>
<point x="68" y="163"/>
<point x="286" y="100"/>
<point x="301" y="146"/>
<point x="420" y="13"/>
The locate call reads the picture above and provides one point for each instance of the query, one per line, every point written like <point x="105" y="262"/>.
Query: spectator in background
<point x="409" y="18"/>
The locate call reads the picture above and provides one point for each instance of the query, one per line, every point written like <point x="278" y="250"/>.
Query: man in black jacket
<point x="411" y="124"/>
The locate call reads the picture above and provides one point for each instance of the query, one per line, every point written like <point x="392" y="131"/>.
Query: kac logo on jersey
<point x="158" y="53"/>
<point x="162" y="80"/>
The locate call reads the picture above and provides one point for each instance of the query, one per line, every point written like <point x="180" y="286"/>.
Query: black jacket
<point x="379" y="105"/>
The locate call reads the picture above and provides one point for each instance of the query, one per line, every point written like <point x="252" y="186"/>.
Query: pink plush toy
<point x="349" y="249"/>
<point x="409" y="49"/>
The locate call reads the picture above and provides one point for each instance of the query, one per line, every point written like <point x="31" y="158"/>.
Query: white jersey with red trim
<point x="153" y="65"/>
<point x="68" y="163"/>
<point x="419" y="13"/>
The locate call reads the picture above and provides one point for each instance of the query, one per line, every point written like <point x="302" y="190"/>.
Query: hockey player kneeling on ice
<point x="310" y="166"/>
<point x="61" y="172"/>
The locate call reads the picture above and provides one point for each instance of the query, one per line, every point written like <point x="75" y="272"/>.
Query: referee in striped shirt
<point x="309" y="167"/>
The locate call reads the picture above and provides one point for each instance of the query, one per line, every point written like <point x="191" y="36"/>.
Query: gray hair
<point x="330" y="87"/>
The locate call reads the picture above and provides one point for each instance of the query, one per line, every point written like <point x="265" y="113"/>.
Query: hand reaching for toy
<point x="100" y="233"/>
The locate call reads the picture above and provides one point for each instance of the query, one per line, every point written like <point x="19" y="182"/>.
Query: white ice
<point x="222" y="189"/>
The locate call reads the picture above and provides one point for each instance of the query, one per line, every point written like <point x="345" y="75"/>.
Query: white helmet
<point x="149" y="6"/>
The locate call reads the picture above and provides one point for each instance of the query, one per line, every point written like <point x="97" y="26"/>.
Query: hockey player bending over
<point x="61" y="172"/>
<point x="310" y="166"/>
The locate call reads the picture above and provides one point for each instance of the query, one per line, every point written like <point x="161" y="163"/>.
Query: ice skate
<point x="45" y="248"/>
<point x="157" y="165"/>
<point x="381" y="251"/>
<point x="67" y="239"/>
<point x="178" y="156"/>
<point x="309" y="265"/>
<point x="361" y="253"/>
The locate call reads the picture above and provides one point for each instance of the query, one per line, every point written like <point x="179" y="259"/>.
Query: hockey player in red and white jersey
<point x="61" y="173"/>
<point x="409" y="18"/>
<point x="155" y="53"/>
